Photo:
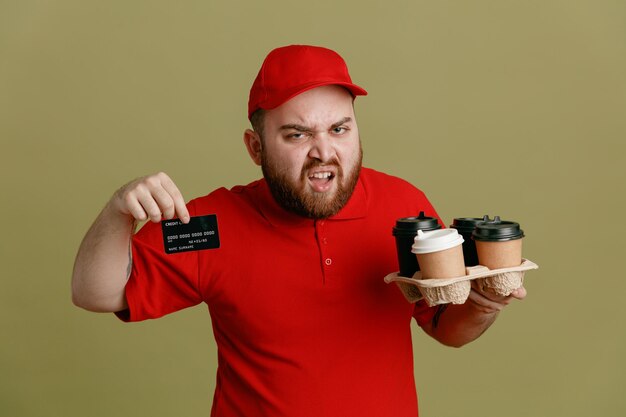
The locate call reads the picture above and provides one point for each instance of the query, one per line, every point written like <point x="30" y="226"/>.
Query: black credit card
<point x="199" y="234"/>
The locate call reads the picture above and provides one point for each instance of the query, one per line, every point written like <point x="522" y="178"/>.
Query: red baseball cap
<point x="294" y="69"/>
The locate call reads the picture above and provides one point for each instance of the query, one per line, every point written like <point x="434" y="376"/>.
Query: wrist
<point x="116" y="220"/>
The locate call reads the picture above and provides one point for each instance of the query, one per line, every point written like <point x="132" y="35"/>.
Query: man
<point x="304" y="324"/>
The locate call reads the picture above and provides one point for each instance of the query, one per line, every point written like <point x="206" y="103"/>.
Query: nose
<point x="322" y="148"/>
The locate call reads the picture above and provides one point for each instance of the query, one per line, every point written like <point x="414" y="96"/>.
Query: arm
<point x="460" y="324"/>
<point x="104" y="260"/>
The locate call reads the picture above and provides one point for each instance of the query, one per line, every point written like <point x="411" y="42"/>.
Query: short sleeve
<point x="422" y="313"/>
<point x="159" y="283"/>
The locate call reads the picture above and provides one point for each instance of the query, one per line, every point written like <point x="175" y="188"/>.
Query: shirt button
<point x="324" y="241"/>
<point x="328" y="261"/>
<point x="321" y="222"/>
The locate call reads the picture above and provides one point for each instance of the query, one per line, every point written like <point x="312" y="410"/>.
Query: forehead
<point x="321" y="106"/>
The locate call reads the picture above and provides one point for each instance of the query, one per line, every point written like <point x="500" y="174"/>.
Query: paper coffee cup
<point x="439" y="253"/>
<point x="404" y="232"/>
<point x="498" y="243"/>
<point x="465" y="227"/>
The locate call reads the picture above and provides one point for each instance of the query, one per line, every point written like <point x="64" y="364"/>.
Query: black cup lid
<point x="410" y="225"/>
<point x="497" y="230"/>
<point x="467" y="224"/>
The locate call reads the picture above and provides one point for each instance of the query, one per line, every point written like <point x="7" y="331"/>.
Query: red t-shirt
<point x="303" y="321"/>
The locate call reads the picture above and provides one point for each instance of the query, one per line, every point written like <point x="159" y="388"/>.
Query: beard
<point x="297" y="198"/>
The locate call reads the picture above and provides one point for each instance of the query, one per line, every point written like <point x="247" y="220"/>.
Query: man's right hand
<point x="153" y="197"/>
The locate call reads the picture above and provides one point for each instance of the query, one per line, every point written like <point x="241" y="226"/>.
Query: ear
<point x="253" y="145"/>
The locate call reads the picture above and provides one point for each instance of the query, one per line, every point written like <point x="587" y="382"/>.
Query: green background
<point x="510" y="108"/>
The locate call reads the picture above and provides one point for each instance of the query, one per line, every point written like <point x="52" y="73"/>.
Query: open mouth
<point x="321" y="181"/>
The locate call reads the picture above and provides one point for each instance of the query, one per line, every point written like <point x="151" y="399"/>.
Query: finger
<point x="483" y="303"/>
<point x="180" y="207"/>
<point x="490" y="293"/>
<point x="164" y="201"/>
<point x="152" y="189"/>
<point x="133" y="207"/>
<point x="487" y="298"/>
<point x="147" y="201"/>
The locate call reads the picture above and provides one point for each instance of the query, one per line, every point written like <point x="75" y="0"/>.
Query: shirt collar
<point x="355" y="208"/>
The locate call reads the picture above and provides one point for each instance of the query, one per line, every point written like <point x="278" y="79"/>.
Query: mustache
<point x="314" y="163"/>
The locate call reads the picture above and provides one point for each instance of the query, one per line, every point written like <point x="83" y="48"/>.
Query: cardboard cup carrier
<point x="444" y="275"/>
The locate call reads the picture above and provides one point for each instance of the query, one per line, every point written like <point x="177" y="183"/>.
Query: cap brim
<point x="354" y="89"/>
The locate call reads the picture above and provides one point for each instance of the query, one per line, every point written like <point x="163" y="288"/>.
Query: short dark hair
<point x="257" y="119"/>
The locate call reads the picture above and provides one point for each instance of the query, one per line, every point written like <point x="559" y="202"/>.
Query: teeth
<point x="321" y="175"/>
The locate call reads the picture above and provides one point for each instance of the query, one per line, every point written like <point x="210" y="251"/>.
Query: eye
<point x="296" y="135"/>
<point x="339" y="130"/>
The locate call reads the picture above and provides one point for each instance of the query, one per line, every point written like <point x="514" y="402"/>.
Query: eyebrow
<point x="341" y="122"/>
<point x="297" y="127"/>
<point x="302" y="128"/>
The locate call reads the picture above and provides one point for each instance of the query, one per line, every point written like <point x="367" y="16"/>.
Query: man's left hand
<point x="488" y="302"/>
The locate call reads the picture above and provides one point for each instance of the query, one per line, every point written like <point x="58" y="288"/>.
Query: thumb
<point x="519" y="293"/>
